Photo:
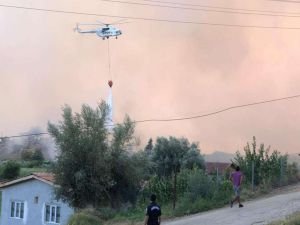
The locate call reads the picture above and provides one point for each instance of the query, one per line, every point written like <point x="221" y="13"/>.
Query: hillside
<point x="219" y="156"/>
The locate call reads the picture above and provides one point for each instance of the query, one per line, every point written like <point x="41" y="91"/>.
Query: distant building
<point x="213" y="167"/>
<point x="31" y="201"/>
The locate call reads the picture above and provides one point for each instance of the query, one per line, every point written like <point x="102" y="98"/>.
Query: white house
<point x="31" y="201"/>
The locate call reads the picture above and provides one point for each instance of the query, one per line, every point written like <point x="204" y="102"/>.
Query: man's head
<point x="237" y="168"/>
<point x="153" y="198"/>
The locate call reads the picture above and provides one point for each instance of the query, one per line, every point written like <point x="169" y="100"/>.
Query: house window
<point x="17" y="209"/>
<point x="52" y="214"/>
<point x="36" y="199"/>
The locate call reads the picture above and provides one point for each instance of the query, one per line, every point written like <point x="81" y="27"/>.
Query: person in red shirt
<point x="236" y="179"/>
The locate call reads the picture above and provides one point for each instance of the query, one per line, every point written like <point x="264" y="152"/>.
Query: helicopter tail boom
<point x="77" y="29"/>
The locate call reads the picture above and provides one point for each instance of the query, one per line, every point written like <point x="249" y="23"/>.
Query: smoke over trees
<point x="36" y="147"/>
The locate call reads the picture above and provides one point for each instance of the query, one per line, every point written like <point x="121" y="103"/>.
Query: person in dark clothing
<point x="153" y="212"/>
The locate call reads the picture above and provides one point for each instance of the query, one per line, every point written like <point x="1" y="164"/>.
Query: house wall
<point x="34" y="213"/>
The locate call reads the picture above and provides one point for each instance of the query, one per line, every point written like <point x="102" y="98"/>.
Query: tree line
<point x="98" y="167"/>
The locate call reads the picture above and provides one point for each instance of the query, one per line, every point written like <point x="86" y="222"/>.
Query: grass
<point x="84" y="218"/>
<point x="27" y="171"/>
<point x="135" y="216"/>
<point x="293" y="219"/>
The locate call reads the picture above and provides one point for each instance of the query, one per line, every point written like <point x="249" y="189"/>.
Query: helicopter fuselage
<point x="107" y="32"/>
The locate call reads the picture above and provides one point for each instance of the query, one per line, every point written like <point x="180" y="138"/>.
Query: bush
<point x="84" y="218"/>
<point x="199" y="185"/>
<point x="186" y="207"/>
<point x="10" y="170"/>
<point x="162" y="187"/>
<point x="32" y="155"/>
<point x="223" y="193"/>
<point x="106" y="213"/>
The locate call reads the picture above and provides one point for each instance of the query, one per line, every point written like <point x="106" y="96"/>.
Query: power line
<point x="288" y="1"/>
<point x="23" y="135"/>
<point x="148" y="19"/>
<point x="184" y="118"/>
<point x="218" y="7"/>
<point x="199" y="9"/>
<point x="219" y="111"/>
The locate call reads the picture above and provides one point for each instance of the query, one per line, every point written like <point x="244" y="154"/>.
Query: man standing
<point x="236" y="179"/>
<point x="153" y="212"/>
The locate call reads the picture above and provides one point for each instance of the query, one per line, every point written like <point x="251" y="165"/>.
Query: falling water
<point x="109" y="120"/>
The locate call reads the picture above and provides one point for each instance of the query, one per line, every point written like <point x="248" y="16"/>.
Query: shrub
<point x="199" y="185"/>
<point x="10" y="170"/>
<point x="32" y="154"/>
<point x="84" y="218"/>
<point x="186" y="207"/>
<point x="162" y="187"/>
<point x="223" y="193"/>
<point x="106" y="213"/>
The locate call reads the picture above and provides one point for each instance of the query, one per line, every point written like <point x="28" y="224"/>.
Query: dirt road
<point x="256" y="212"/>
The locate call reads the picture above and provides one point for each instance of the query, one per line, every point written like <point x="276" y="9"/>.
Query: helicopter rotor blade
<point x="116" y="22"/>
<point x="99" y="22"/>
<point x="124" y="22"/>
<point x="87" y="24"/>
<point x="120" y="21"/>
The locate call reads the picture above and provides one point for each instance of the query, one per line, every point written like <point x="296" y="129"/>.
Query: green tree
<point x="34" y="156"/>
<point x="93" y="166"/>
<point x="124" y="165"/>
<point x="38" y="155"/>
<point x="26" y="154"/>
<point x="173" y="154"/>
<point x="199" y="185"/>
<point x="10" y="170"/>
<point x="269" y="167"/>
<point x="292" y="173"/>
<point x="149" y="147"/>
<point x="193" y="158"/>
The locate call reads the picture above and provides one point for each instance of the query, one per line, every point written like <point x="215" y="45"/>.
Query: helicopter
<point x="106" y="31"/>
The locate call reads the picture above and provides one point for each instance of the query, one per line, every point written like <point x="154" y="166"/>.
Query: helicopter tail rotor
<point x="76" y="29"/>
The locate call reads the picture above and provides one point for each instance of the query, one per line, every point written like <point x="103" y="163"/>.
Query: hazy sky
<point x="160" y="70"/>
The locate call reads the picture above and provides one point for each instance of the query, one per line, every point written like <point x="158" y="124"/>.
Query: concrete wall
<point x="34" y="213"/>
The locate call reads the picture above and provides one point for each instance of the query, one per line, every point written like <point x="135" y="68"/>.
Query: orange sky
<point x="160" y="70"/>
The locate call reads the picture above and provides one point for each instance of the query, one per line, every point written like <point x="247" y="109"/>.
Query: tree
<point x="32" y="155"/>
<point x="26" y="155"/>
<point x="149" y="147"/>
<point x="268" y="167"/>
<point x="173" y="154"/>
<point x="38" y="155"/>
<point x="93" y="166"/>
<point x="10" y="170"/>
<point x="124" y="168"/>
<point x="193" y="158"/>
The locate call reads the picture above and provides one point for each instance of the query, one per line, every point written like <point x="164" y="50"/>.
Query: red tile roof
<point x="46" y="176"/>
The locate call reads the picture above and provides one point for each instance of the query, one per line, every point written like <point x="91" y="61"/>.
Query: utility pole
<point x="252" y="176"/>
